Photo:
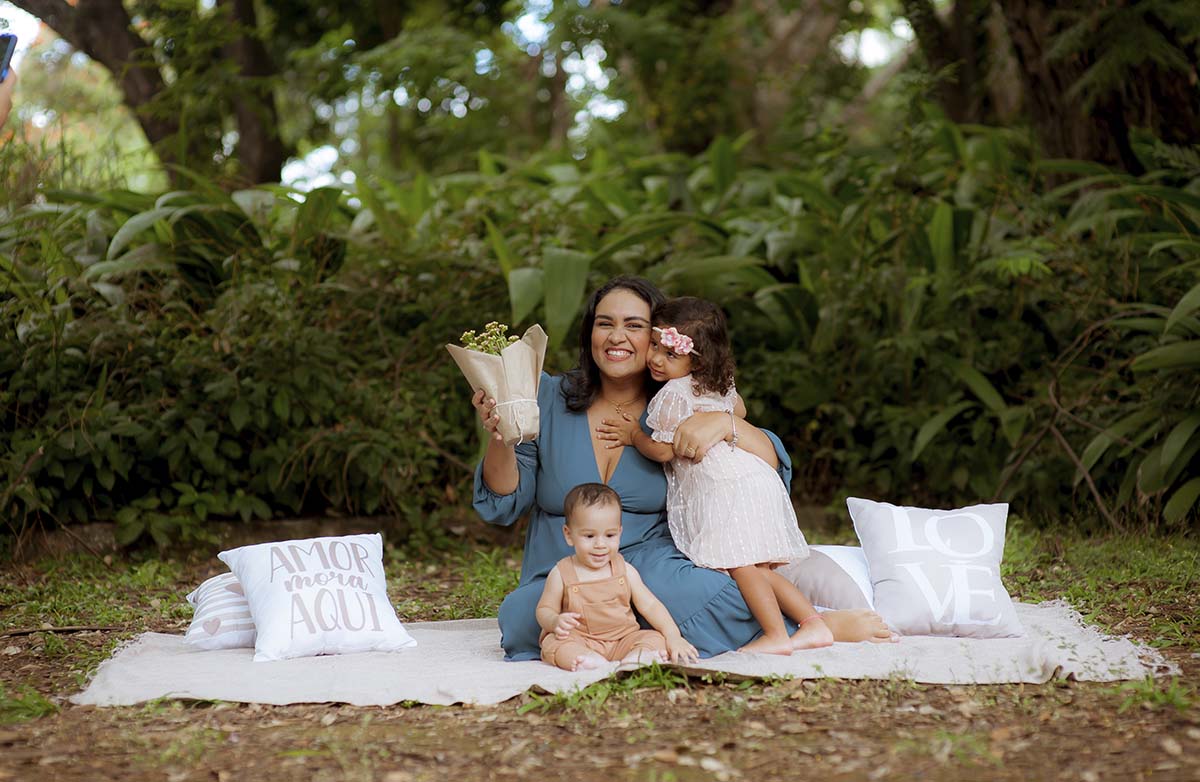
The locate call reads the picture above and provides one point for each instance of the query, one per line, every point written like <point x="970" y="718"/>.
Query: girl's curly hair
<point x="703" y="321"/>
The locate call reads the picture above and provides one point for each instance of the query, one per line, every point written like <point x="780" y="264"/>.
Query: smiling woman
<point x="610" y="381"/>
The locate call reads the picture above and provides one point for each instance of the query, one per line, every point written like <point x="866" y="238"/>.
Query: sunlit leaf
<point x="790" y="307"/>
<point x="565" y="279"/>
<point x="524" y="291"/>
<point x="1118" y="431"/>
<point x="1178" y="438"/>
<point x="500" y="248"/>
<point x="723" y="164"/>
<point x="934" y="426"/>
<point x="1186" y="306"/>
<point x="1182" y="500"/>
<point x="134" y="226"/>
<point x="941" y="238"/>
<point x="980" y="386"/>
<point x="1175" y="356"/>
<point x="315" y="213"/>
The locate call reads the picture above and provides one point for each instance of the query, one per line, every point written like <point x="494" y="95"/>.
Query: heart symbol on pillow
<point x="236" y="589"/>
<point x="211" y="626"/>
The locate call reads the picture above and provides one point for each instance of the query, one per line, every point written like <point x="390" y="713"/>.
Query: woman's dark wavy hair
<point x="581" y="385"/>
<point x="703" y="321"/>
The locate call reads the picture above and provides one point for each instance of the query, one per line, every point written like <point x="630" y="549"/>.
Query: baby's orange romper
<point x="607" y="625"/>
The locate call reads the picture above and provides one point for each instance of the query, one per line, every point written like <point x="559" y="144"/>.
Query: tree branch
<point x="1087" y="476"/>
<point x="102" y="30"/>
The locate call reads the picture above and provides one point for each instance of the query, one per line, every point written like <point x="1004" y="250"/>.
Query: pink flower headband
<point x="680" y="343"/>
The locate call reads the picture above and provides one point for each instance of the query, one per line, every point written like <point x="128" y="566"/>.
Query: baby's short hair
<point x="589" y="495"/>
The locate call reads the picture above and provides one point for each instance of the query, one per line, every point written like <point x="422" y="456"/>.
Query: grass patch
<point x="1151" y="693"/>
<point x="946" y="746"/>
<point x="82" y="590"/>
<point x="591" y="700"/>
<point x="23" y="705"/>
<point x="1120" y="582"/>
<point x="488" y="576"/>
<point x="467" y="583"/>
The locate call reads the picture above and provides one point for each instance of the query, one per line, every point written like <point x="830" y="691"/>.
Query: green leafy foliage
<point x="24" y="704"/>
<point x="944" y="321"/>
<point x="216" y="369"/>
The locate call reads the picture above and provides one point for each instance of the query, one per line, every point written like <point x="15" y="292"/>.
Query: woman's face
<point x="621" y="335"/>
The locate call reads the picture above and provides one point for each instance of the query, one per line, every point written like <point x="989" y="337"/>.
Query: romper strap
<point x="566" y="569"/>
<point x="618" y="565"/>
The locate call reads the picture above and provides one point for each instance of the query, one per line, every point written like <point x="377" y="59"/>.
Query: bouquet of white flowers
<point x="508" y="370"/>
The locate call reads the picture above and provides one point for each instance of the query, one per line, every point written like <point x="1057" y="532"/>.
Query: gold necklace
<point x="620" y="406"/>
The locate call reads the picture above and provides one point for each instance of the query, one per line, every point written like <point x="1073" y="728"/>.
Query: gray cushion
<point x="937" y="572"/>
<point x="831" y="577"/>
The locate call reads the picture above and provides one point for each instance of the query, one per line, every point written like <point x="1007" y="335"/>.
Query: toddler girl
<point x="730" y="510"/>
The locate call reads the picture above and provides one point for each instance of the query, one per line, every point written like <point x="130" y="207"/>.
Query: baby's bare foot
<point x="588" y="662"/>
<point x="813" y="634"/>
<point x="765" y="644"/>
<point x="859" y="624"/>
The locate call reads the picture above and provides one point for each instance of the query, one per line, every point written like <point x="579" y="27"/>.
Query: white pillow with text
<point x="318" y="596"/>
<point x="937" y="572"/>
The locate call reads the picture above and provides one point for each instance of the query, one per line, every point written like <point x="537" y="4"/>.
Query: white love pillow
<point x="937" y="572"/>
<point x="222" y="615"/>
<point x="318" y="596"/>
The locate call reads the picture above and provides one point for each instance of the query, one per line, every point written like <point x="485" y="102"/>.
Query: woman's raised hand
<point x="700" y="432"/>
<point x="487" y="414"/>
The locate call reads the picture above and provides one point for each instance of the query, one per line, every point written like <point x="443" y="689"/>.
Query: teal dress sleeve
<point x="785" y="461"/>
<point x="706" y="604"/>
<point x="505" y="510"/>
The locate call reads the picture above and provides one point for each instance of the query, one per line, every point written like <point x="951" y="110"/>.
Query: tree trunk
<point x="1172" y="108"/>
<point x="561" y="116"/>
<point x="103" y="30"/>
<point x="797" y="41"/>
<point x="260" y="151"/>
<point x="1063" y="126"/>
<point x="957" y="48"/>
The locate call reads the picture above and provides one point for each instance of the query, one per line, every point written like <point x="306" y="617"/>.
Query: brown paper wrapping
<point x="510" y="378"/>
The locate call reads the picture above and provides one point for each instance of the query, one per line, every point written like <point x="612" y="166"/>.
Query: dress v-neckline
<point x="593" y="442"/>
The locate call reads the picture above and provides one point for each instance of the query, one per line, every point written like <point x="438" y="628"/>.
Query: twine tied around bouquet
<point x="511" y="378"/>
<point x="517" y="419"/>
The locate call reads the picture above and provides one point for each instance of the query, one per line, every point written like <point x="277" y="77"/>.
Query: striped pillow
<point x="222" y="615"/>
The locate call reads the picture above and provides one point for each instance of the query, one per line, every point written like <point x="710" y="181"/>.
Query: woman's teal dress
<point x="706" y="604"/>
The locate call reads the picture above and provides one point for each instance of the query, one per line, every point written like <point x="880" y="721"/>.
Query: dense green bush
<point x="224" y="376"/>
<point x="944" y="321"/>
<point x="909" y="320"/>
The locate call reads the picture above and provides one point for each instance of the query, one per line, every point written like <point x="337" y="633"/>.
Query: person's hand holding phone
<point x="8" y="77"/>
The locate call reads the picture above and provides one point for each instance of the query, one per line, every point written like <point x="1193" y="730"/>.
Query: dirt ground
<point x="637" y="729"/>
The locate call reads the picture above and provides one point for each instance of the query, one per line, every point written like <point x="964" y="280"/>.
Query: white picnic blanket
<point x="461" y="662"/>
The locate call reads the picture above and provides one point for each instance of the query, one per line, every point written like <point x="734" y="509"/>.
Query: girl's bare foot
<point x="644" y="656"/>
<point x="769" y="644"/>
<point x="587" y="662"/>
<point x="859" y="624"/>
<point x="813" y="634"/>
